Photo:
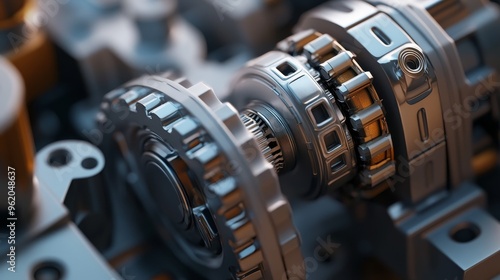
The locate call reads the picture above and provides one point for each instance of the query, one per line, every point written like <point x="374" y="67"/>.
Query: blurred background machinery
<point x="363" y="146"/>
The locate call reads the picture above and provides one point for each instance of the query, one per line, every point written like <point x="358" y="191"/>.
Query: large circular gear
<point x="202" y="179"/>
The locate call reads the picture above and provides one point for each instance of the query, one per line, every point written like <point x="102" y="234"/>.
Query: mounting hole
<point x="89" y="163"/>
<point x="412" y="62"/>
<point x="465" y="232"/>
<point x="49" y="270"/>
<point x="59" y="158"/>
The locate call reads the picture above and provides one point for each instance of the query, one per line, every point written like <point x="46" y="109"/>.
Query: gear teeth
<point x="206" y="94"/>
<point x="373" y="177"/>
<point x="318" y="48"/>
<point x="165" y="114"/>
<point x="350" y="88"/>
<point x="183" y="81"/>
<point x="149" y="102"/>
<point x="208" y="157"/>
<point x="374" y="148"/>
<point x="187" y="130"/>
<point x="229" y="116"/>
<point x="335" y="65"/>
<point x="133" y="95"/>
<point x="267" y="142"/>
<point x="228" y="192"/>
<point x="242" y="229"/>
<point x="365" y="117"/>
<point x="249" y="256"/>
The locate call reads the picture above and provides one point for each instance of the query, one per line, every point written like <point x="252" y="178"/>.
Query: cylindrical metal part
<point x="16" y="144"/>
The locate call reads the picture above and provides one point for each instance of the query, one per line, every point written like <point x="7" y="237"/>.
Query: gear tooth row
<point x="250" y="256"/>
<point x="242" y="229"/>
<point x="353" y="89"/>
<point x="268" y="145"/>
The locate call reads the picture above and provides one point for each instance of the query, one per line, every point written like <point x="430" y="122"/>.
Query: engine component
<point x="329" y="107"/>
<point x="202" y="179"/>
<point x="434" y="85"/>
<point x="344" y="106"/>
<point x="354" y="145"/>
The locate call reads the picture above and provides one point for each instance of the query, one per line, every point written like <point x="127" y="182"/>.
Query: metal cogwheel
<point x="337" y="70"/>
<point x="233" y="218"/>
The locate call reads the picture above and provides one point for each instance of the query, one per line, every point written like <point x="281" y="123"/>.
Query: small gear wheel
<point x="203" y="180"/>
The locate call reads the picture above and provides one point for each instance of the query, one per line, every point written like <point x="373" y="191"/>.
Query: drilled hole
<point x="465" y="232"/>
<point x="48" y="271"/>
<point x="286" y="69"/>
<point x="320" y="114"/>
<point x="59" y="158"/>
<point x="332" y="141"/>
<point x="89" y="163"/>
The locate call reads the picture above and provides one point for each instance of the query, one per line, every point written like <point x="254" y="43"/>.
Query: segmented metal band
<point x="337" y="71"/>
<point x="170" y="119"/>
